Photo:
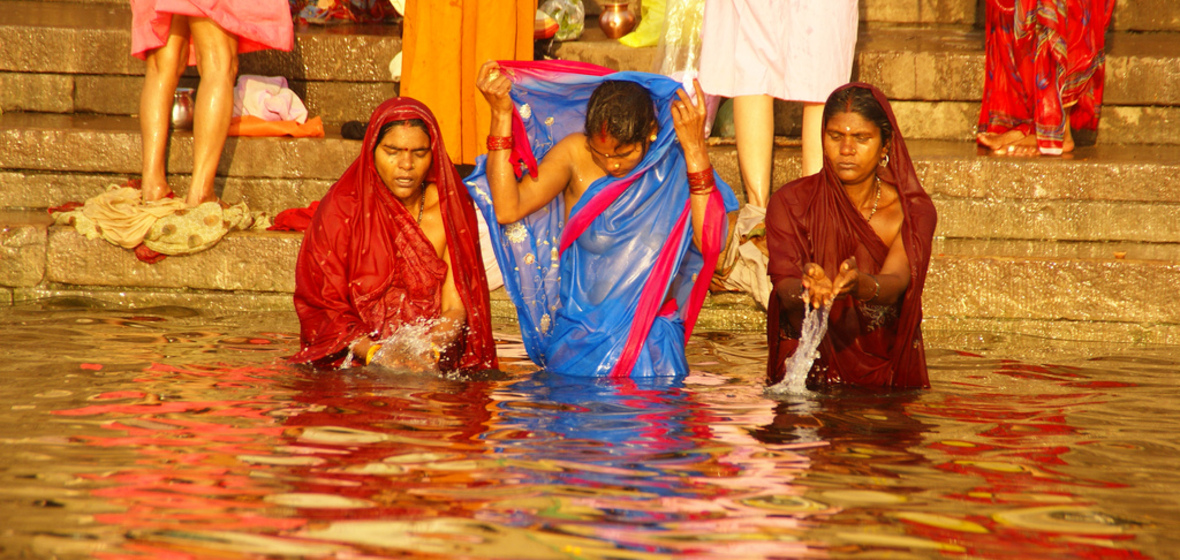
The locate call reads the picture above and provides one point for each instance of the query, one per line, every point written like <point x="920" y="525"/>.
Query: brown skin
<point x="855" y="148"/>
<point x="217" y="62"/>
<point x="1015" y="143"/>
<point x="570" y="167"/>
<point x="403" y="159"/>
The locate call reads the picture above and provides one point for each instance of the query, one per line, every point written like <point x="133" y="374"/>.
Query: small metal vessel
<point x="182" y="108"/>
<point x="616" y="19"/>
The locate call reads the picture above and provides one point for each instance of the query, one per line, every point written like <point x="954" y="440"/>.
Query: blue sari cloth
<point x="616" y="291"/>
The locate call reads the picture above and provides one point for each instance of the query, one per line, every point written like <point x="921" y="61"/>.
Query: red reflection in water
<point x="188" y="440"/>
<point x="1018" y="467"/>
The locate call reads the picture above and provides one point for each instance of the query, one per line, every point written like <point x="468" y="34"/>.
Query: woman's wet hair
<point x="624" y="110"/>
<point x="859" y="100"/>
<point x="385" y="128"/>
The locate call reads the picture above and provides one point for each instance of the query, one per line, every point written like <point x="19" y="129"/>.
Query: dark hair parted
<point x="859" y="100"/>
<point x="385" y="128"/>
<point x="624" y="110"/>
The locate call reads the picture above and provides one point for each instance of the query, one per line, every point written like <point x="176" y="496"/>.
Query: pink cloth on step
<point x="796" y="50"/>
<point x="258" y="24"/>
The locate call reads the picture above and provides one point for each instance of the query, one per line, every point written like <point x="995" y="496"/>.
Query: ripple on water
<point x="170" y="432"/>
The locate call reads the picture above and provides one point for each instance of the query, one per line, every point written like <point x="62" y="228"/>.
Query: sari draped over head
<point x="812" y="220"/>
<point x="1044" y="56"/>
<point x="366" y="268"/>
<point x="616" y="290"/>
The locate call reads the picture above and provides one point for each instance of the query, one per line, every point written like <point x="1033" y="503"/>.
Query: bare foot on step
<point x="152" y="191"/>
<point x="1012" y="143"/>
<point x="998" y="141"/>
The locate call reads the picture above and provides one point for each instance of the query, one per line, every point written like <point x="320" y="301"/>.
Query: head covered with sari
<point x="366" y="268"/>
<point x="616" y="289"/>
<point x="812" y="220"/>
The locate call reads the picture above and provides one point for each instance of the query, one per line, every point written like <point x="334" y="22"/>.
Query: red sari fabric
<point x="812" y="220"/>
<point x="365" y="267"/>
<point x="1044" y="56"/>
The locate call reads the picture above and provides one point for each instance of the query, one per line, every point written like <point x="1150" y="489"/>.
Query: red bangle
<point x="499" y="143"/>
<point x="701" y="182"/>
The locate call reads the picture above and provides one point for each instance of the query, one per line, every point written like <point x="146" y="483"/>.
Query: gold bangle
<point x="372" y="352"/>
<point x="436" y="351"/>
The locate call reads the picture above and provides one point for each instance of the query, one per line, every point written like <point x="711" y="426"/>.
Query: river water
<point x="176" y="434"/>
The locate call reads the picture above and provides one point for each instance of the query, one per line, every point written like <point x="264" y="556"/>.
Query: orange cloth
<point x="249" y="125"/>
<point x="443" y="46"/>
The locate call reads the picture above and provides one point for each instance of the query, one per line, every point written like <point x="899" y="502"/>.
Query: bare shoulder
<point x="570" y="149"/>
<point x="891" y="212"/>
<point x="560" y="167"/>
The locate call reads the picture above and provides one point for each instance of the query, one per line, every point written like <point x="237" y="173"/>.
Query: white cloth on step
<point x="267" y="98"/>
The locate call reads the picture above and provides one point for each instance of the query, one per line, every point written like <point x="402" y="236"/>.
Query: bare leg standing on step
<point x="217" y="62"/>
<point x="164" y="67"/>
<point x="813" y="148"/>
<point x="753" y="120"/>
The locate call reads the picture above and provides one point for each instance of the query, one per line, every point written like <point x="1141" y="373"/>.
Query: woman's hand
<point x="847" y="279"/>
<point x="688" y="119"/>
<point x="398" y="358"/>
<point x="817" y="287"/>
<point x="821" y="290"/>
<point x="495" y="87"/>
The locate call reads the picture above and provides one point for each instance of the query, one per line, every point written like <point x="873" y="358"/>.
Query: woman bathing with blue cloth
<point x="608" y="244"/>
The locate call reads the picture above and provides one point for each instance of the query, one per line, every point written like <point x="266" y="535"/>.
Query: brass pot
<point x="182" y="108"/>
<point x="616" y="19"/>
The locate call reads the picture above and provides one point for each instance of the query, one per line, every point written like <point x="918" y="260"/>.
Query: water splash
<point x="409" y="347"/>
<point x="815" y="325"/>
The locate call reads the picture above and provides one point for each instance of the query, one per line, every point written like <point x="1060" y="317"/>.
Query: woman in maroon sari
<point x="857" y="236"/>
<point x="395" y="243"/>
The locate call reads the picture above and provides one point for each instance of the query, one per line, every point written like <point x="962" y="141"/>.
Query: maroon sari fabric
<point x="365" y="267"/>
<point x="812" y="220"/>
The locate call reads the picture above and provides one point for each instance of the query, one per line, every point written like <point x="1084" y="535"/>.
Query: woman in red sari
<point x="395" y="243"/>
<point x="1045" y="73"/>
<point x="857" y="236"/>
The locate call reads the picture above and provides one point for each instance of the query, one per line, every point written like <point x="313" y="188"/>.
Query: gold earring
<point x="653" y="136"/>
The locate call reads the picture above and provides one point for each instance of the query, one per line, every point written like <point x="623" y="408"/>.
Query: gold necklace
<point x="875" y="202"/>
<point x="422" y="204"/>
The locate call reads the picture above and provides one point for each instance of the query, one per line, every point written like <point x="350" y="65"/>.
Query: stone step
<point x="1099" y="193"/>
<point x="111" y="144"/>
<point x="21" y="189"/>
<point x="1146" y="15"/>
<point x="1087" y="289"/>
<point x="1093" y="291"/>
<point x="54" y="59"/>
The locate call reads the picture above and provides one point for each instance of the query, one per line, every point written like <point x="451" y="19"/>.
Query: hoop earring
<point x="885" y="161"/>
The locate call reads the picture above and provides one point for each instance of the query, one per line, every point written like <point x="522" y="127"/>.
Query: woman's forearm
<point x="880" y="289"/>
<point x="789" y="291"/>
<point x="501" y="178"/>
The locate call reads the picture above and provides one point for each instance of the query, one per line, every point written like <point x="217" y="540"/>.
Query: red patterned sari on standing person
<point x="1044" y="59"/>
<point x="366" y="268"/>
<point x="812" y="220"/>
